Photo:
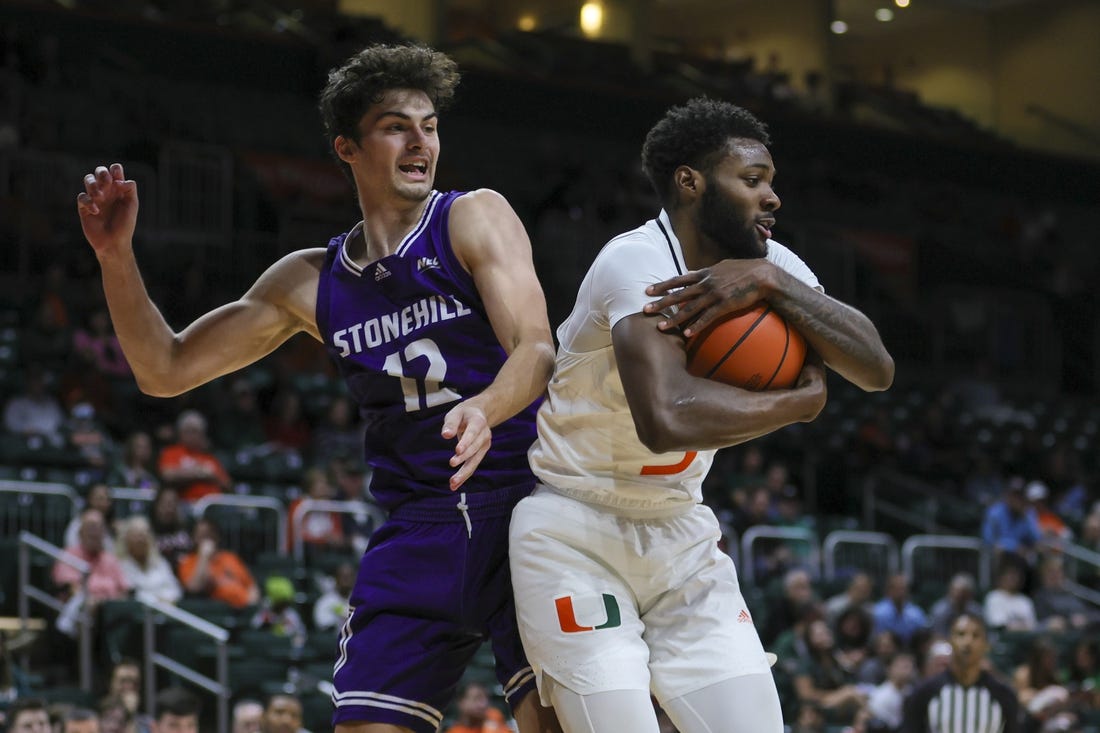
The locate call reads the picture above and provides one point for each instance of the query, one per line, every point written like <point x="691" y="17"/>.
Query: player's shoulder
<point x="631" y="243"/>
<point x="301" y="263"/>
<point x="480" y="202"/>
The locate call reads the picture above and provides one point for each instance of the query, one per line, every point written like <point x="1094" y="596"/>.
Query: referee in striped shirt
<point x="965" y="698"/>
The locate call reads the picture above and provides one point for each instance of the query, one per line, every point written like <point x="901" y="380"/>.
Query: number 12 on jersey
<point x="421" y="393"/>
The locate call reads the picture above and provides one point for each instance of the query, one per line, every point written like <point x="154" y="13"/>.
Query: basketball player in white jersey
<point x="621" y="590"/>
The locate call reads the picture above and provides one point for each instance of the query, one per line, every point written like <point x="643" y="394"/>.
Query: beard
<point x="720" y="221"/>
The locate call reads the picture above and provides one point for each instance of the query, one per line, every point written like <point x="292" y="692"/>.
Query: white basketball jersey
<point x="587" y="445"/>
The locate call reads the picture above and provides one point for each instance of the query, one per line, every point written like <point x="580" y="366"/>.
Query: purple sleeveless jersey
<point x="411" y="338"/>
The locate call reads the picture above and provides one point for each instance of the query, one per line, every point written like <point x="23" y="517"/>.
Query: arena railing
<point x="811" y="560"/>
<point x="1075" y="556"/>
<point x="311" y="506"/>
<point x="273" y="541"/>
<point x="129" y="501"/>
<point x="32" y="510"/>
<point x="153" y="659"/>
<point x="956" y="554"/>
<point x="880" y="558"/>
<point x="28" y="593"/>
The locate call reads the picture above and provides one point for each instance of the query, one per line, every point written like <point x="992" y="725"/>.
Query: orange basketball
<point x="752" y="348"/>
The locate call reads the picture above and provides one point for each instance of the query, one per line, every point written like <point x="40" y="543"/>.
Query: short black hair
<point x="975" y="617"/>
<point x="695" y="134"/>
<point x="25" y="705"/>
<point x="178" y="702"/>
<point x="365" y="77"/>
<point x="79" y="715"/>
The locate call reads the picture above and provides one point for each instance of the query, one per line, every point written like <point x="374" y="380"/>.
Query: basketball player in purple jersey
<point x="434" y="315"/>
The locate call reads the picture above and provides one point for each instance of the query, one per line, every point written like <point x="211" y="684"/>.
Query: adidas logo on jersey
<point x="380" y="272"/>
<point x="427" y="263"/>
<point x="744" y="617"/>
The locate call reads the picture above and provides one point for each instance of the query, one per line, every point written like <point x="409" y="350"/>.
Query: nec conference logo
<point x="427" y="263"/>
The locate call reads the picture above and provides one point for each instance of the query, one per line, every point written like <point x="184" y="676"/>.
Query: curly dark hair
<point x="695" y="134"/>
<point x="365" y="77"/>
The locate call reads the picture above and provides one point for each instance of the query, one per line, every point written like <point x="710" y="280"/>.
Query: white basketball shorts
<point x="605" y="602"/>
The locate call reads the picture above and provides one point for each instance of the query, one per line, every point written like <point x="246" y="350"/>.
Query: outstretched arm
<point x="675" y="411"/>
<point x="491" y="243"/>
<point x="844" y="337"/>
<point x="166" y="363"/>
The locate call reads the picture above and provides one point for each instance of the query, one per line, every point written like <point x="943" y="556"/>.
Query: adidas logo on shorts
<point x="744" y="617"/>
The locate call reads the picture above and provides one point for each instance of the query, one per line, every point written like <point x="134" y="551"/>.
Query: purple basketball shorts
<point x="430" y="590"/>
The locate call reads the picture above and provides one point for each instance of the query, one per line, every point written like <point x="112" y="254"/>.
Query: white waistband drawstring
<point x="462" y="506"/>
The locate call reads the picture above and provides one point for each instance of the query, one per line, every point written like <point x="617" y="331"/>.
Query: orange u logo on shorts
<point x="567" y="617"/>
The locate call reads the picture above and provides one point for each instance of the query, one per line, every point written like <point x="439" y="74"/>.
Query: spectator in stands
<point x="319" y="529"/>
<point x="99" y="498"/>
<point x="886" y="702"/>
<point x="331" y="608"/>
<point x="852" y="631"/>
<point x="177" y="711"/>
<point x="895" y="612"/>
<point x="90" y="439"/>
<point x="856" y="595"/>
<point x="240" y="426"/>
<point x="338" y="434"/>
<point x="1083" y="673"/>
<point x="965" y="675"/>
<point x="1045" y="701"/>
<point x="351" y="477"/>
<point x="170" y="526"/>
<point x="1010" y="525"/>
<point x="97" y="347"/>
<point x="822" y="681"/>
<point x="35" y="412"/>
<point x="1057" y="608"/>
<point x="754" y="510"/>
<point x="246" y="716"/>
<point x="1090" y="540"/>
<point x="286" y="427"/>
<point x="959" y="599"/>
<point x="282" y="714"/>
<point x="106" y="580"/>
<point x="1051" y="526"/>
<point x="189" y="464"/>
<point x="216" y="573"/>
<point x="115" y="717"/>
<point x="80" y="720"/>
<point x="147" y="572"/>
<point x="885" y="645"/>
<point x="135" y="469"/>
<point x="28" y="715"/>
<point x="475" y="714"/>
<point x="1006" y="606"/>
<point x="277" y="613"/>
<point x="785" y="610"/>
<point x="125" y="684"/>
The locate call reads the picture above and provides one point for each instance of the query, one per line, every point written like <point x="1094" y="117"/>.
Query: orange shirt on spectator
<point x="318" y="528"/>
<point x="232" y="582"/>
<point x="180" y="456"/>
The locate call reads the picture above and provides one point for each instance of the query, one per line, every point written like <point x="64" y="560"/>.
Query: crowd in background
<point x="1021" y="456"/>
